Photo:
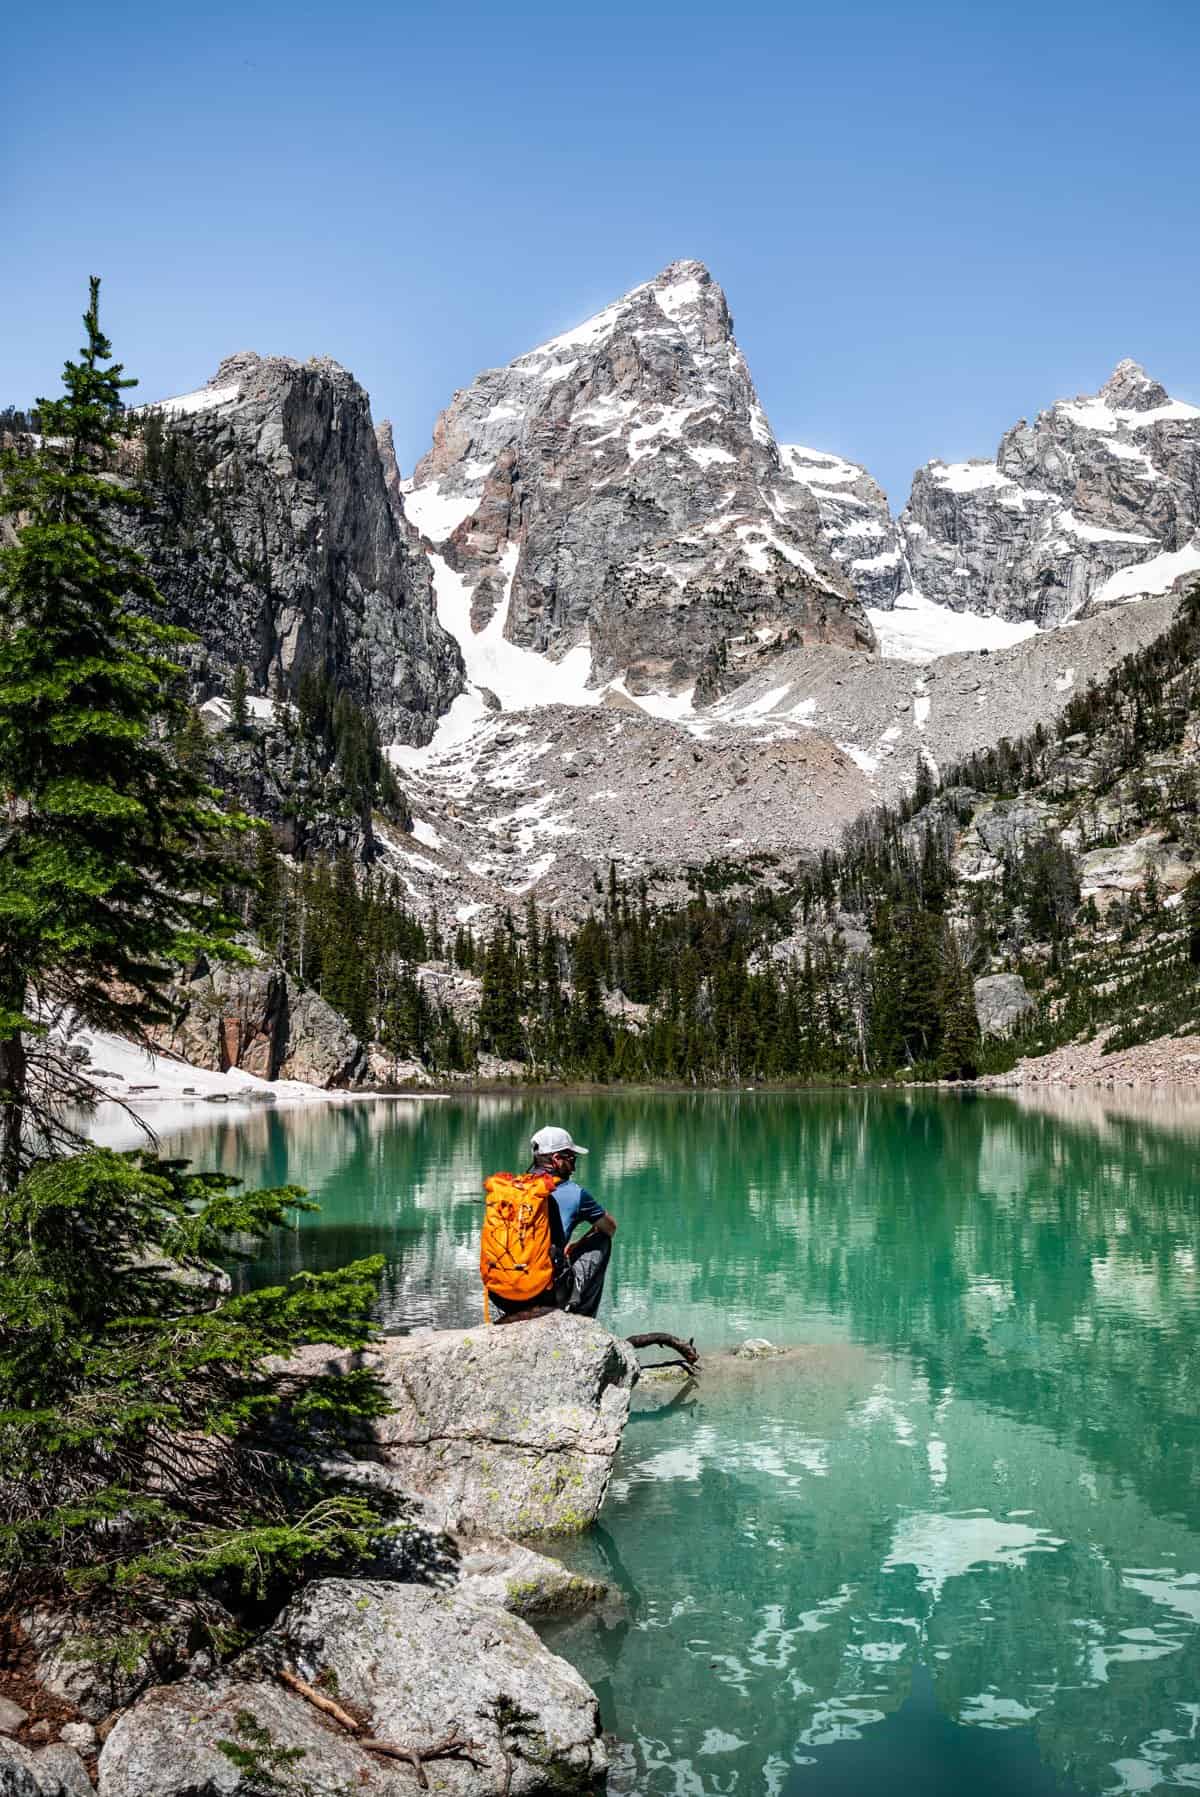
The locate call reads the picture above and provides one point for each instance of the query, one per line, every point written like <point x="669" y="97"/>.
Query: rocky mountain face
<point x="855" y="522"/>
<point x="616" y="498"/>
<point x="1095" y="503"/>
<point x="768" y="775"/>
<point x="273" y="536"/>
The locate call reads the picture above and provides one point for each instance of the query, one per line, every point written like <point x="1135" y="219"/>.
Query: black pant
<point x="579" y="1289"/>
<point x="584" y="1282"/>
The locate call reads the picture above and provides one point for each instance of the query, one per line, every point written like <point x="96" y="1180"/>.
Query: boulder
<point x="79" y="1667"/>
<point x="505" y="1575"/>
<point x="415" y="1665"/>
<point x="1001" y="1001"/>
<point x="16" y="1774"/>
<point x="12" y="1716"/>
<point x="319" y="1046"/>
<point x="504" y="1430"/>
<point x="55" y="1771"/>
<point x="511" y="1429"/>
<point x="170" y="1744"/>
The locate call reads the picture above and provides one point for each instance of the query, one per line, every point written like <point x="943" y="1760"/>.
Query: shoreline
<point x="144" y="1094"/>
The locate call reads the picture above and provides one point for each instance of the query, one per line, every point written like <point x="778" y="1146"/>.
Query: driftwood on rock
<point x="452" y="1746"/>
<point x="689" y="1357"/>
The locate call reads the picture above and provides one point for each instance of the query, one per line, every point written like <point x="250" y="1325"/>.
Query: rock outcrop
<point x="259" y="1019"/>
<point x="416" y="1665"/>
<point x="1097" y="502"/>
<point x="856" y="525"/>
<point x="506" y="1575"/>
<point x="618" y="493"/>
<point x="273" y="537"/>
<point x="53" y="1771"/>
<point x="510" y="1429"/>
<point x="1002" y="1001"/>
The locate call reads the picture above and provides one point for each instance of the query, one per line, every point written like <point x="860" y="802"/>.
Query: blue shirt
<point x="575" y="1205"/>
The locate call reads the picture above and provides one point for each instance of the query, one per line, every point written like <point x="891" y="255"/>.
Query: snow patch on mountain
<point x="915" y="629"/>
<point x="1157" y="575"/>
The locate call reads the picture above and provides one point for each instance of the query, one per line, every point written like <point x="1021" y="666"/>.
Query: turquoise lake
<point x="954" y="1547"/>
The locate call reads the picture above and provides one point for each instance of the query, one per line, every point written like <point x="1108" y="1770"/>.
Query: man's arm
<point x="593" y="1213"/>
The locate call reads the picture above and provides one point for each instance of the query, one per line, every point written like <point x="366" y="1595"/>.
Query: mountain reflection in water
<point x="956" y="1539"/>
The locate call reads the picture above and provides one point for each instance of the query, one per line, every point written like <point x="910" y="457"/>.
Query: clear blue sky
<point x="929" y="218"/>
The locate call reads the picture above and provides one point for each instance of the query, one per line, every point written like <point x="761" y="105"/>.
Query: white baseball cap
<point x="555" y="1141"/>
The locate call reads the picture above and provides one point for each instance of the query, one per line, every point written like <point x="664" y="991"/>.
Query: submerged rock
<point x="415" y="1665"/>
<point x="757" y="1347"/>
<point x="500" y="1573"/>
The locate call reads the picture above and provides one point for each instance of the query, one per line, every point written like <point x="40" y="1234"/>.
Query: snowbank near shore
<point x="141" y="1092"/>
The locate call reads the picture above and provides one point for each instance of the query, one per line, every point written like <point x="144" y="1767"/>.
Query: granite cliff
<point x="1095" y="503"/>
<point x="273" y="537"/>
<point x="615" y="501"/>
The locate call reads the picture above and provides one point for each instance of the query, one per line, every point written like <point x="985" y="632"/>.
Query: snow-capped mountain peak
<point x="615" y="499"/>
<point x="1094" y="503"/>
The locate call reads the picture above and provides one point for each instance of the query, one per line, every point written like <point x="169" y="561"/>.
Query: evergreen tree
<point x="239" y="716"/>
<point x="500" y="1027"/>
<point x="147" y="1442"/>
<point x="111" y="865"/>
<point x="959" y="1055"/>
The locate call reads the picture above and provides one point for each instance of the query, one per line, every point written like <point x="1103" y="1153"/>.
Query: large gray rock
<point x="620" y="487"/>
<point x="1096" y="502"/>
<point x="78" y="1666"/>
<point x="54" y="1771"/>
<point x="320" y="1046"/>
<point x="1002" y="1001"/>
<point x="259" y="1019"/>
<point x="416" y="1665"/>
<point x="509" y="1430"/>
<point x="16" y="1774"/>
<point x="282" y="549"/>
<point x="513" y="1428"/>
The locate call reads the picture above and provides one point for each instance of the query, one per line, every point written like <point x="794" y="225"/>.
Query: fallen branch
<point x="449" y="1747"/>
<point x="319" y="1701"/>
<point x="657" y="1338"/>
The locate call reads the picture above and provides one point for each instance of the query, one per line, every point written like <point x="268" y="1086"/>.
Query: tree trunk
<point x="13" y="1084"/>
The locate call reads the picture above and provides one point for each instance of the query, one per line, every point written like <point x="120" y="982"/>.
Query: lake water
<point x="954" y="1546"/>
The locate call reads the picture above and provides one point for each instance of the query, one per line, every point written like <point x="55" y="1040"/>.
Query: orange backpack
<point x="517" y="1259"/>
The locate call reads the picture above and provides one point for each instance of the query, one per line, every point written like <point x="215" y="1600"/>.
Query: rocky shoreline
<point x="1170" y="1061"/>
<point x="424" y="1658"/>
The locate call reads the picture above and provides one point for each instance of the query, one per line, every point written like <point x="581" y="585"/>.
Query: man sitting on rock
<point x="582" y="1286"/>
<point x="579" y="1284"/>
